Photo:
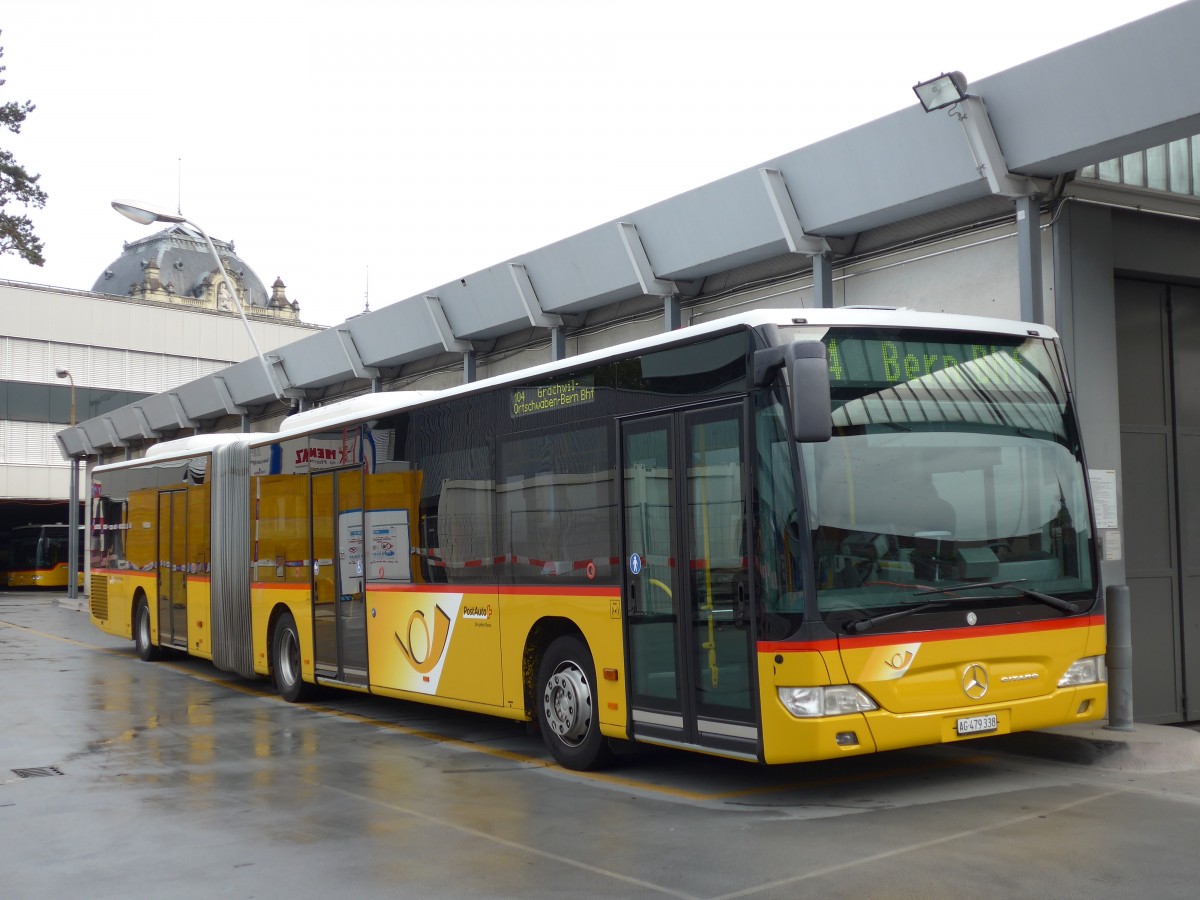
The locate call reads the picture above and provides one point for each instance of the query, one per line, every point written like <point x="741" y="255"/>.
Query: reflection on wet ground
<point x="177" y="778"/>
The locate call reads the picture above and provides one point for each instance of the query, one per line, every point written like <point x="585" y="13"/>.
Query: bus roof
<point x="180" y="448"/>
<point x="367" y="406"/>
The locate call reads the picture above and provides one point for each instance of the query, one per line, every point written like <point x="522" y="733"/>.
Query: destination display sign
<point x="875" y="361"/>
<point x="576" y="391"/>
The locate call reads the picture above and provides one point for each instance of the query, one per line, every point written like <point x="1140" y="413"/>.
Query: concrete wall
<point x="105" y="342"/>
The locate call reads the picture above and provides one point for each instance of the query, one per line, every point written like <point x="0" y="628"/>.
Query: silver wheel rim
<point x="567" y="703"/>
<point x="289" y="657"/>
<point x="143" y="627"/>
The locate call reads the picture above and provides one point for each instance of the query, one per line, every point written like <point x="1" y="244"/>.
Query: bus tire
<point x="285" y="660"/>
<point x="566" y="706"/>
<point x="143" y="640"/>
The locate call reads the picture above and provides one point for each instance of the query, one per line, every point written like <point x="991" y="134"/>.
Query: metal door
<point x="172" y="569"/>
<point x="1158" y="327"/>
<point x="687" y="592"/>
<point x="339" y="607"/>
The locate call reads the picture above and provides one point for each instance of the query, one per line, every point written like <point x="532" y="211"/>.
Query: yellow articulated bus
<point x="781" y="536"/>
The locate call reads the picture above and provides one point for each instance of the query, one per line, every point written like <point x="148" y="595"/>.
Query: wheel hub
<point x="568" y="704"/>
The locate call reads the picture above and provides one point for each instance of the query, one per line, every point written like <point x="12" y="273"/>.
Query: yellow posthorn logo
<point x="426" y="662"/>
<point x="891" y="662"/>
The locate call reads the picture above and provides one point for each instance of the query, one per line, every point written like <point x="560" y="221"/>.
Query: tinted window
<point x="556" y="503"/>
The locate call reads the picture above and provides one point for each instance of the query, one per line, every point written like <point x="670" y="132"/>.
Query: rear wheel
<point x="143" y="641"/>
<point x="566" y="701"/>
<point x="285" y="660"/>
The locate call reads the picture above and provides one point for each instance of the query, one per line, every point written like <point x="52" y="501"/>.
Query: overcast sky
<point x="403" y="145"/>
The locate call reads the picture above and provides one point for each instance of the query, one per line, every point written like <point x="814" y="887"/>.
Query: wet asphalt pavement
<point x="120" y="778"/>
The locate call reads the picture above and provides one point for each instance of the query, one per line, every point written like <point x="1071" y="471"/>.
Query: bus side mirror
<point x="812" y="422"/>
<point x="808" y="371"/>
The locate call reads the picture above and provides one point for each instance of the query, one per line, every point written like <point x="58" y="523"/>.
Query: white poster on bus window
<point x="350" y="540"/>
<point x="388" y="551"/>
<point x="326" y="451"/>
<point x="332" y="450"/>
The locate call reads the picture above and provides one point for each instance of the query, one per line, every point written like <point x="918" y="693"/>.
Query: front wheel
<point x="285" y="660"/>
<point x="143" y="642"/>
<point x="566" y="701"/>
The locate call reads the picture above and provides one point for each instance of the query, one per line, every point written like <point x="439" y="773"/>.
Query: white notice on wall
<point x="1104" y="496"/>
<point x="1112" y="545"/>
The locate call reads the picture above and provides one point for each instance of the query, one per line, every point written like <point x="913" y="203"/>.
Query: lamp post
<point x="73" y="501"/>
<point x="146" y="215"/>
<point x="949" y="92"/>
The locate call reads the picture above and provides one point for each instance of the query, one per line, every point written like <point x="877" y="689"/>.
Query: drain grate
<point x="37" y="772"/>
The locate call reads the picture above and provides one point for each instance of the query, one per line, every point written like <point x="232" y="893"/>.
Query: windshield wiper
<point x="858" y="626"/>
<point x="1049" y="599"/>
<point x="923" y="590"/>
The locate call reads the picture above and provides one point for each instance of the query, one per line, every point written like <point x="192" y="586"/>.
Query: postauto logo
<point x="424" y="647"/>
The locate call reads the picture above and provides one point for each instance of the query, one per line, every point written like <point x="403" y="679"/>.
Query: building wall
<point x="1130" y="315"/>
<point x="110" y="345"/>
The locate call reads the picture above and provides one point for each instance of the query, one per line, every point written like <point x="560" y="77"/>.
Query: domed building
<point x="158" y="318"/>
<point x="175" y="266"/>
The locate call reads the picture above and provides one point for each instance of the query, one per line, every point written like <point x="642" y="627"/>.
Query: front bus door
<point x="339" y="607"/>
<point x="687" y="589"/>
<point x="172" y="569"/>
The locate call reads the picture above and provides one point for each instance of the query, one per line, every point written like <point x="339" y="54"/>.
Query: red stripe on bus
<point x="612" y="592"/>
<point x="850" y="642"/>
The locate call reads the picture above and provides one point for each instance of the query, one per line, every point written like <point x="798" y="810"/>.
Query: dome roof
<point x="184" y="265"/>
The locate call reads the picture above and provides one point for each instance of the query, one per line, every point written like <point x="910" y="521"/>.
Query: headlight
<point x="1089" y="670"/>
<point x="836" y="700"/>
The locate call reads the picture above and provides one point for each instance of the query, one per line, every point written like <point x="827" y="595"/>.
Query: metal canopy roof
<point x="1051" y="116"/>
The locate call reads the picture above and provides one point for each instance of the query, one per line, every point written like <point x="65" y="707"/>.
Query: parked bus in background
<point x="781" y="536"/>
<point x="39" y="556"/>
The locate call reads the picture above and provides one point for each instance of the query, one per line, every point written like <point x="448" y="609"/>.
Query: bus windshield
<point x="954" y="474"/>
<point x="27" y="553"/>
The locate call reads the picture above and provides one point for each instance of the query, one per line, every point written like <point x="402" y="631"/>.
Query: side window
<point x="457" y="507"/>
<point x="713" y="366"/>
<point x="556" y="505"/>
<point x="109" y="522"/>
<point x="280" y="496"/>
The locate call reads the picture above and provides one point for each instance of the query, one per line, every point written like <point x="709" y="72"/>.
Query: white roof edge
<point x="348" y="411"/>
<point x="360" y="407"/>
<point x="181" y="448"/>
<point x="366" y="406"/>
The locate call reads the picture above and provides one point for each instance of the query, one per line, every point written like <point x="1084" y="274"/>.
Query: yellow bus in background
<point x="782" y="536"/>
<point x="39" y="557"/>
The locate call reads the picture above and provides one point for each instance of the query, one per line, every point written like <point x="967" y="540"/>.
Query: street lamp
<point x="73" y="500"/>
<point x="63" y="373"/>
<point x="146" y="215"/>
<point x="949" y="91"/>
